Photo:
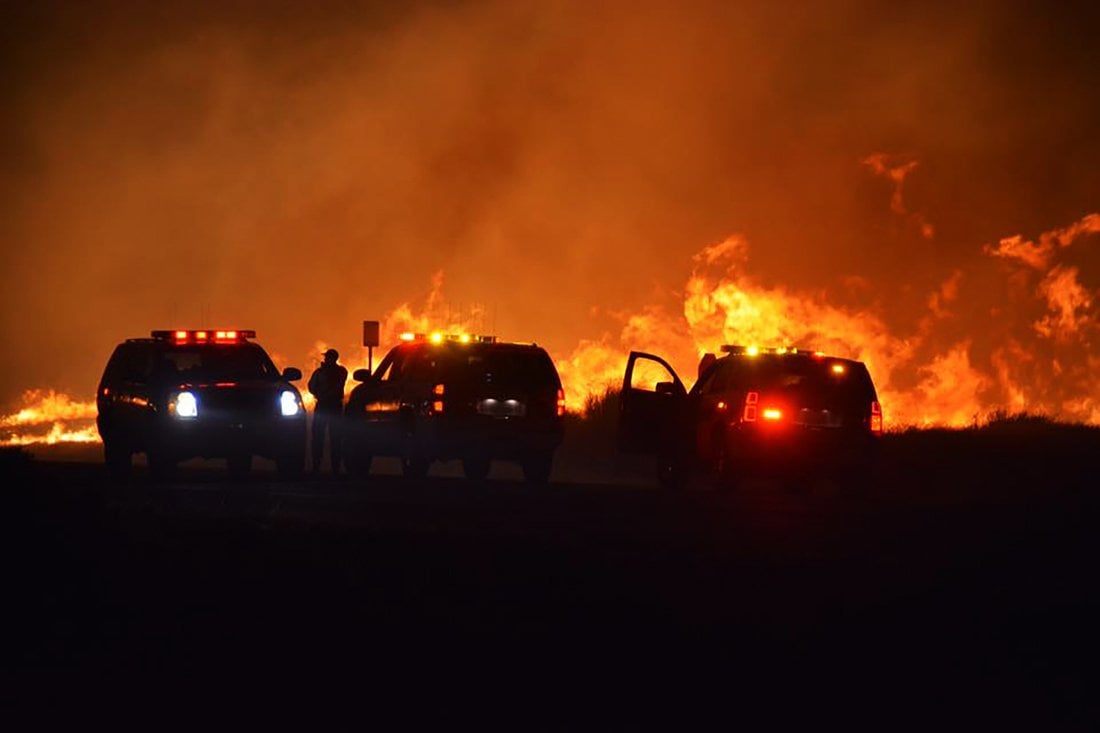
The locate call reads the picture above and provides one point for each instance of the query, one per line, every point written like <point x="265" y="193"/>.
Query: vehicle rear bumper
<point x="802" y="450"/>
<point x="445" y="439"/>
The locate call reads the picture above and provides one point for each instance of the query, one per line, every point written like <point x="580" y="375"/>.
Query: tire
<point x="291" y="464"/>
<point x="239" y="464"/>
<point x="727" y="481"/>
<point x="536" y="468"/>
<point x="359" y="464"/>
<point x="118" y="458"/>
<point x="671" y="474"/>
<point x="161" y="465"/>
<point x="476" y="468"/>
<point x="724" y="475"/>
<point x="414" y="467"/>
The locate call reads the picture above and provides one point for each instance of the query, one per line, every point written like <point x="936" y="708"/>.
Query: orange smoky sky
<point x="561" y="172"/>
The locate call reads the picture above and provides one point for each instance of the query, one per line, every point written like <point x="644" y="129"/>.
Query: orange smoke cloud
<point x="895" y="169"/>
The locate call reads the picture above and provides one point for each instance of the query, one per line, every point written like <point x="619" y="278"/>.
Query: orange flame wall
<point x="1045" y="366"/>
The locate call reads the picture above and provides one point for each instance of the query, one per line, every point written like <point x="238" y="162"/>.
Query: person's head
<point x="331" y="356"/>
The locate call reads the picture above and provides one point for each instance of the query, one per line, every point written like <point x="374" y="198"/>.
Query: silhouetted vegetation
<point x="14" y="458"/>
<point x="589" y="451"/>
<point x="1010" y="451"/>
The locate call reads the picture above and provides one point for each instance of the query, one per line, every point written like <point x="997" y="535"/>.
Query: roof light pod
<point x="224" y="336"/>
<point x="439" y="337"/>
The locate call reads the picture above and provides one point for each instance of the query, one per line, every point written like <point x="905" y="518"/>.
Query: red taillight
<point x="561" y="403"/>
<point x="752" y="402"/>
<point x="876" y="418"/>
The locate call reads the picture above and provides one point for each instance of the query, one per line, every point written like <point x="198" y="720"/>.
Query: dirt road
<point x="575" y="604"/>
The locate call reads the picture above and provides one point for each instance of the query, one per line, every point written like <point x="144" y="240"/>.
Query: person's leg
<point x="317" y="442"/>
<point x="336" y="442"/>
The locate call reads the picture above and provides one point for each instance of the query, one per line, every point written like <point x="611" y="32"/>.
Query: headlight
<point x="289" y="404"/>
<point x="187" y="405"/>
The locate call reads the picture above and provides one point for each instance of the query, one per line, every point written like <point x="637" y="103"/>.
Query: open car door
<point x="652" y="398"/>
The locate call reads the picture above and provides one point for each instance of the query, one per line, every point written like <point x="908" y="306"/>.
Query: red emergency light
<point x="202" y="336"/>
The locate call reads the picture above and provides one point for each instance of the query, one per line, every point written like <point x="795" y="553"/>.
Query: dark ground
<point x="960" y="592"/>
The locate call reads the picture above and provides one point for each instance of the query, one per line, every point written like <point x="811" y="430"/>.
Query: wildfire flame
<point x="49" y="417"/>
<point x="1042" y="359"/>
<point x="1045" y="366"/>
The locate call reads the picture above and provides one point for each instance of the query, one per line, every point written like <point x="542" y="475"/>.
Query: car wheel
<point x="239" y="464"/>
<point x="161" y="464"/>
<point x="358" y="464"/>
<point x="475" y="467"/>
<point x="414" y="467"/>
<point x="291" y="464"/>
<point x="723" y="475"/>
<point x="118" y="458"/>
<point x="670" y="472"/>
<point x="536" y="468"/>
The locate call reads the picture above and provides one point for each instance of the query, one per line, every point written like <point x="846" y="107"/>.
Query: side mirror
<point x="292" y="374"/>
<point x="666" y="388"/>
<point x="361" y="375"/>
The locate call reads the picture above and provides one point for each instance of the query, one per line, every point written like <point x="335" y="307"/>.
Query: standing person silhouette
<point x="326" y="384"/>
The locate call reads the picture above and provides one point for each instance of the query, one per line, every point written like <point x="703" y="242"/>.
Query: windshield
<point x="216" y="363"/>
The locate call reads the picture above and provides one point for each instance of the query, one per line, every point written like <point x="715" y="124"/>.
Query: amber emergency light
<point x="438" y="337"/>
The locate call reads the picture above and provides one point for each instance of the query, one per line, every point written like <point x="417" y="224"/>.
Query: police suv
<point x="199" y="393"/>
<point x="782" y="411"/>
<point x="442" y="397"/>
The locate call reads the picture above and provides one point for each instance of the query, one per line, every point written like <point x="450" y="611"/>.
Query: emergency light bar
<point x="439" y="338"/>
<point x="754" y="350"/>
<point x="205" y="336"/>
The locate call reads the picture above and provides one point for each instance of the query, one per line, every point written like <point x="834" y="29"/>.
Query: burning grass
<point x="49" y="417"/>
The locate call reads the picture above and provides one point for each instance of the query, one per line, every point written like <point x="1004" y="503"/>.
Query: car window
<point x="216" y="362"/>
<point x="780" y="373"/>
<point x="711" y="380"/>
<point x="130" y="363"/>
<point x="390" y="368"/>
<point x="511" y="365"/>
<point x="462" y="363"/>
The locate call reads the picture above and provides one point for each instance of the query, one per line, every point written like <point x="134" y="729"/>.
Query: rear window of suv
<point x="783" y="373"/>
<point x="502" y="364"/>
